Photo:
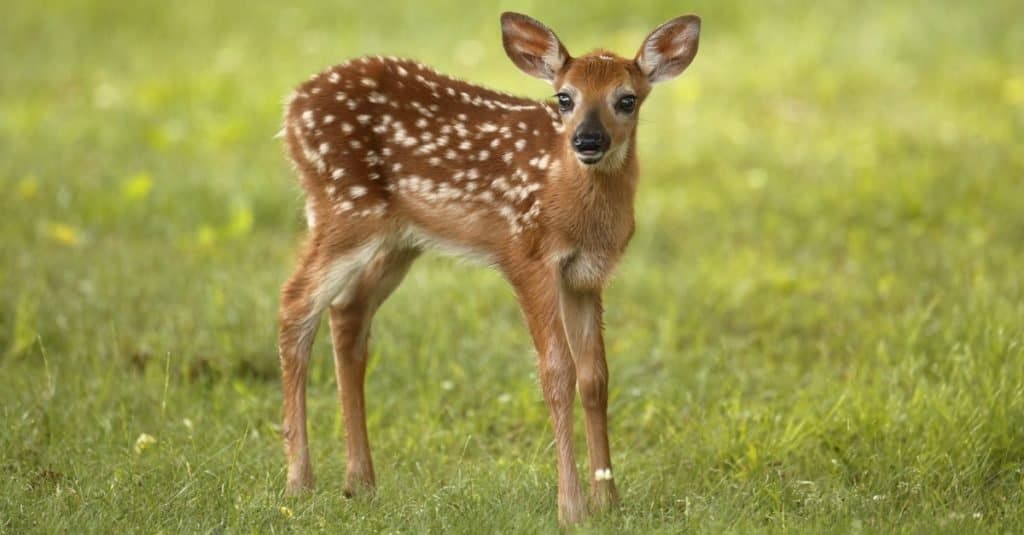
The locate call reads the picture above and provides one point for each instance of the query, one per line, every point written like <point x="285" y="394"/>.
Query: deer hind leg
<point x="317" y="281"/>
<point x="351" y="318"/>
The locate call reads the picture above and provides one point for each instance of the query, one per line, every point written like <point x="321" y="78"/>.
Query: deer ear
<point x="669" y="49"/>
<point x="533" y="47"/>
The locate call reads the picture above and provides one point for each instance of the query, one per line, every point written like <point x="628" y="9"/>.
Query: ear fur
<point x="532" y="46"/>
<point x="669" y="49"/>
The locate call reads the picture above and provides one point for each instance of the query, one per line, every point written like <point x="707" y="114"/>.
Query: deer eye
<point x="564" y="102"/>
<point x="626" y="104"/>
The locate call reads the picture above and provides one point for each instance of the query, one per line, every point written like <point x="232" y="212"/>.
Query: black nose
<point x="590" y="141"/>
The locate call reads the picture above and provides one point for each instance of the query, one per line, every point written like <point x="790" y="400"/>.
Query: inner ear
<point x="670" y="48"/>
<point x="532" y="46"/>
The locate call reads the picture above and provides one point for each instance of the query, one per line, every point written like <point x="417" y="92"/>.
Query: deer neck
<point x="592" y="205"/>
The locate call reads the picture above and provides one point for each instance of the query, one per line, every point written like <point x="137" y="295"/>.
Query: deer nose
<point x="590" y="141"/>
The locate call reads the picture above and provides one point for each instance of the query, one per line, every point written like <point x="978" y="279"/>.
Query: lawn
<point x="818" y="327"/>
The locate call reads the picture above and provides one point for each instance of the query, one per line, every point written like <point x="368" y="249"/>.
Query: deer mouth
<point x="589" y="156"/>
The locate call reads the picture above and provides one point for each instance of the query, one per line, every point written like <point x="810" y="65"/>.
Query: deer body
<point x="396" y="158"/>
<point x="391" y="144"/>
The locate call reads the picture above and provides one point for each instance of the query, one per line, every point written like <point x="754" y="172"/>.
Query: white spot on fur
<point x="368" y="82"/>
<point x="310" y="214"/>
<point x="543" y="162"/>
<point x="357" y="191"/>
<point x="307" y="119"/>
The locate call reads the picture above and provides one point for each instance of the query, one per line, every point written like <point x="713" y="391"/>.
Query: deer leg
<point x="581" y="317"/>
<point x="304" y="297"/>
<point x="298" y="325"/>
<point x="350" y="331"/>
<point x="539" y="300"/>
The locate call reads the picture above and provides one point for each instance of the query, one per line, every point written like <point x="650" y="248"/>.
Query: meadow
<point x="818" y="327"/>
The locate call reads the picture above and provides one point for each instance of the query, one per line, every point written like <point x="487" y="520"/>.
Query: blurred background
<point x="821" y="313"/>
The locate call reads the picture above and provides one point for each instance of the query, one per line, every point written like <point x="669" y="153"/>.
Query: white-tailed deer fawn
<point x="396" y="158"/>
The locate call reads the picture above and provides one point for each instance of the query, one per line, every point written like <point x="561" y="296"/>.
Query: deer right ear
<point x="532" y="46"/>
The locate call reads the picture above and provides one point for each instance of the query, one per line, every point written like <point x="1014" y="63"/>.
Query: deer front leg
<point x="558" y="377"/>
<point x="539" y="299"/>
<point x="581" y="317"/>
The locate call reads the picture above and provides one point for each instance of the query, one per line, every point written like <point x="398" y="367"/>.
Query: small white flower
<point x="603" y="474"/>
<point x="504" y="398"/>
<point x="447" y="385"/>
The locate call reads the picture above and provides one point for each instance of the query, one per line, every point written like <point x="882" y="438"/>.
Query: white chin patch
<point x="590" y="159"/>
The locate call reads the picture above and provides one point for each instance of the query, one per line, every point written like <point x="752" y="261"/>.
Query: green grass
<point x="819" y="326"/>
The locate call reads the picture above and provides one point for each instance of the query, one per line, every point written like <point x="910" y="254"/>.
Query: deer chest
<point x="588" y="269"/>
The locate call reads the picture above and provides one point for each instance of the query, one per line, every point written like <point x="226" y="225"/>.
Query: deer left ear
<point x="533" y="47"/>
<point x="669" y="49"/>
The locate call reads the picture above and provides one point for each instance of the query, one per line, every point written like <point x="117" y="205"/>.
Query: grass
<point x="819" y="326"/>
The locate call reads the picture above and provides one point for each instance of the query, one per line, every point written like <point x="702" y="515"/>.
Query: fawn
<point x="396" y="158"/>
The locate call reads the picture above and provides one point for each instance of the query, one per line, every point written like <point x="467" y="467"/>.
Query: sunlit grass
<point x="818" y="326"/>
